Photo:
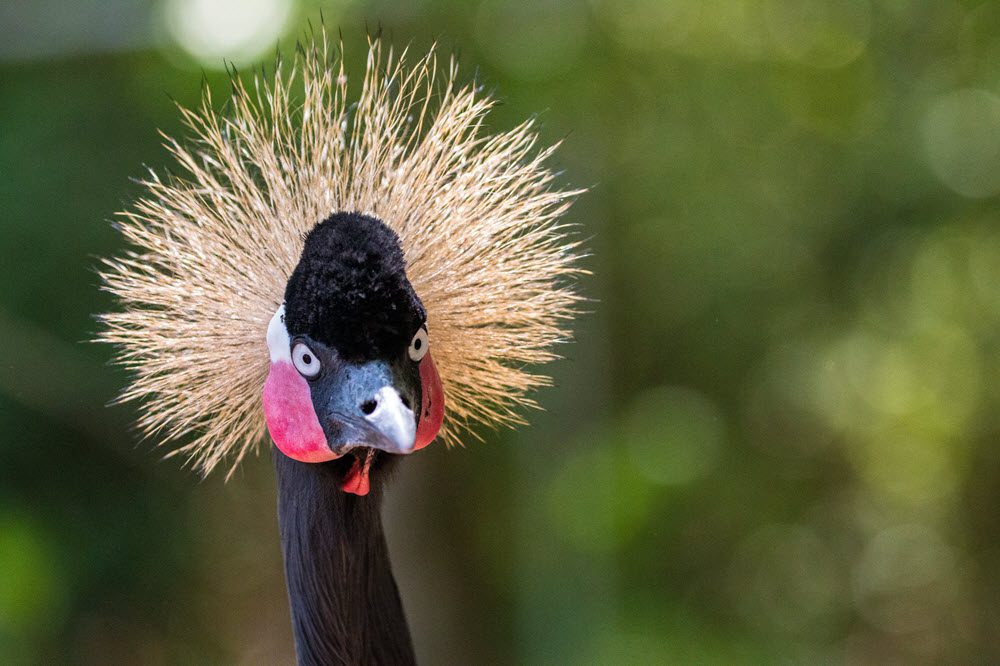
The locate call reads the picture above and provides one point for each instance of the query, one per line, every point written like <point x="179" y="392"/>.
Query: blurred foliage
<point x="773" y="441"/>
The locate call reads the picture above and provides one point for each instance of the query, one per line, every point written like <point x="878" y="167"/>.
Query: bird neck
<point x="345" y="605"/>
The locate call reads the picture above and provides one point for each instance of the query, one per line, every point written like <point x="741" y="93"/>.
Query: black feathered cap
<point x="350" y="291"/>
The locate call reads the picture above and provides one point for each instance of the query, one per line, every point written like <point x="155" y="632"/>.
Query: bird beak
<point x="368" y="405"/>
<point x="393" y="420"/>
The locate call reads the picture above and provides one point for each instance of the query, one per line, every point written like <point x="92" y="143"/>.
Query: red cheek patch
<point x="291" y="418"/>
<point x="432" y="403"/>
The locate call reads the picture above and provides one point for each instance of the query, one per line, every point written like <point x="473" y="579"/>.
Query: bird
<point x="343" y="277"/>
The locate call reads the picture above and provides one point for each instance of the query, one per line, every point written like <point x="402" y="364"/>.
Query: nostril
<point x="368" y="406"/>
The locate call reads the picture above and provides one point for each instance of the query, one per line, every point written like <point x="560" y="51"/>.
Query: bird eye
<point x="419" y="345"/>
<point x="305" y="361"/>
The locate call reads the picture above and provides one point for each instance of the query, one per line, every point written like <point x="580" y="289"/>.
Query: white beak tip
<point x="393" y="419"/>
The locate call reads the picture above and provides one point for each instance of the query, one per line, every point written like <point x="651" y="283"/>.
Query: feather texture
<point x="478" y="216"/>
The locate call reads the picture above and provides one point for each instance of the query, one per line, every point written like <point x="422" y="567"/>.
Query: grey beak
<point x="366" y="405"/>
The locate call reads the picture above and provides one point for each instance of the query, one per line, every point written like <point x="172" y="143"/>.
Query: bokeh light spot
<point x="820" y="33"/>
<point x="216" y="31"/>
<point x="905" y="580"/>
<point x="783" y="577"/>
<point x="961" y="132"/>
<point x="652" y="24"/>
<point x="907" y="468"/>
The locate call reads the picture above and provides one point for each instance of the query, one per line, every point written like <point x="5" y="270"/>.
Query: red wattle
<point x="291" y="418"/>
<point x="432" y="403"/>
<point x="356" y="480"/>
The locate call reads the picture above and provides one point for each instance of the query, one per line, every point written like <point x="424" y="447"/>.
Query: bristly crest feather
<point x="478" y="217"/>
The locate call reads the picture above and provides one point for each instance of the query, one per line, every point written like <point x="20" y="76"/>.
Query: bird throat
<point x="356" y="481"/>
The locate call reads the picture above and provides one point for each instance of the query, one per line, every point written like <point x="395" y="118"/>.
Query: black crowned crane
<point x="359" y="279"/>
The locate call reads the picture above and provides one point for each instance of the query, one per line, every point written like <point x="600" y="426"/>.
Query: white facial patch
<point x="278" y="342"/>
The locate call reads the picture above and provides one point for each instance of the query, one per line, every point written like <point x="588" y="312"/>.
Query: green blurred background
<point x="774" y="440"/>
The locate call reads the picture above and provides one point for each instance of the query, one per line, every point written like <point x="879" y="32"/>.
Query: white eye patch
<point x="278" y="342"/>
<point x="419" y="344"/>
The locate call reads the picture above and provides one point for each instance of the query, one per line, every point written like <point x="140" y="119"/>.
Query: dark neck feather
<point x="345" y="605"/>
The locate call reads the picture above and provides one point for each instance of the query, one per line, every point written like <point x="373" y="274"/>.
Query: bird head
<point x="351" y="369"/>
<point x="348" y="231"/>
